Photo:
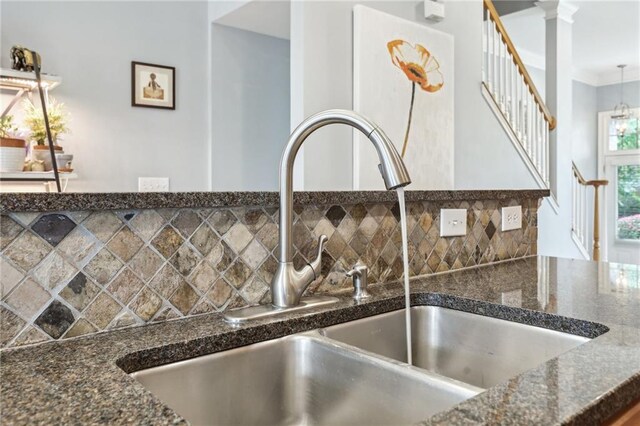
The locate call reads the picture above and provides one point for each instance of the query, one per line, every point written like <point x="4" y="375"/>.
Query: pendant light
<point x="621" y="113"/>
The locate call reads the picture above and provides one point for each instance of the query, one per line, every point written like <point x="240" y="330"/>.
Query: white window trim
<point x="604" y="117"/>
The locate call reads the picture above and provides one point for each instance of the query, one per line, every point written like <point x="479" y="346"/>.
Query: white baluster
<point x="580" y="203"/>
<point x="518" y="106"/>
<point x="543" y="142"/>
<point x="532" y="128"/>
<point x="574" y="200"/>
<point x="584" y="215"/>
<point x="503" y="75"/>
<point x="546" y="153"/>
<point x="514" y="94"/>
<point x="496" y="70"/>
<point x="525" y="100"/>
<point x="487" y="62"/>
<point x="538" y="143"/>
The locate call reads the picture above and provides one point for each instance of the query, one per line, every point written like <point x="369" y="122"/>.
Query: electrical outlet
<point x="153" y="184"/>
<point x="453" y="222"/>
<point x="511" y="218"/>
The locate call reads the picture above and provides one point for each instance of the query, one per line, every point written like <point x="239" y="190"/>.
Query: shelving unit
<point x="46" y="177"/>
<point x="24" y="83"/>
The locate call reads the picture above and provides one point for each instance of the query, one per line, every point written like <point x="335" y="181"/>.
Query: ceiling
<point x="605" y="33"/>
<point x="271" y="18"/>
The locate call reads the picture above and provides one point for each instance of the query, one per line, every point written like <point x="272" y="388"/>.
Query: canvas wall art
<point x="403" y="81"/>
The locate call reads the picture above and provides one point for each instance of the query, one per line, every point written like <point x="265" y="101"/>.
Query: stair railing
<point x="579" y="225"/>
<point x="511" y="87"/>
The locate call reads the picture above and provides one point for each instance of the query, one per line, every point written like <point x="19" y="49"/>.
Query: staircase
<point x="579" y="214"/>
<point x="510" y="92"/>
<point x="527" y="121"/>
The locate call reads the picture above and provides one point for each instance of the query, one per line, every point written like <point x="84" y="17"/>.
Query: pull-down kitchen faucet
<point x="288" y="283"/>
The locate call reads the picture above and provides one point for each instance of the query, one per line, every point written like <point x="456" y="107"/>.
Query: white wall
<point x="250" y="108"/>
<point x="91" y="46"/>
<point x="484" y="157"/>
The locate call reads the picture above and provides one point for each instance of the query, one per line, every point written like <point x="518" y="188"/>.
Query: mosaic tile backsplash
<point x="73" y="273"/>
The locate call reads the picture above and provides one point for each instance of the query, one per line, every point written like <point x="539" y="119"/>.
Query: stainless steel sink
<point x="300" y="380"/>
<point x="475" y="349"/>
<point x="355" y="373"/>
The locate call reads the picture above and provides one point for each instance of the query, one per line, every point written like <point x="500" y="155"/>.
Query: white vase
<point x="12" y="153"/>
<point x="42" y="153"/>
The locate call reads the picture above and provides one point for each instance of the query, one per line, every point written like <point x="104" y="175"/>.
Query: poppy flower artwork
<point x="403" y="80"/>
<point x="421" y="68"/>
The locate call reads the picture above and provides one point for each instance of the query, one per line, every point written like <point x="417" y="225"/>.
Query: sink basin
<point x="475" y="349"/>
<point x="300" y="380"/>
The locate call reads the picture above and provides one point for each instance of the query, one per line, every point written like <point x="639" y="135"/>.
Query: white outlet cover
<point x="153" y="184"/>
<point x="511" y="218"/>
<point x="453" y="222"/>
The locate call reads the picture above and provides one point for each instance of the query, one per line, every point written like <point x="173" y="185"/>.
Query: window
<point x="627" y="141"/>
<point x="628" y="202"/>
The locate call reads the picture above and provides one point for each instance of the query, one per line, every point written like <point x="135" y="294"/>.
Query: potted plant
<point x="12" y="149"/>
<point x="34" y="120"/>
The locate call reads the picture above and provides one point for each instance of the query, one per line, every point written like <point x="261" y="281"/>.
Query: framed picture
<point x="153" y="86"/>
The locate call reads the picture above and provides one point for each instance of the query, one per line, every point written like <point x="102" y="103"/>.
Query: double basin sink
<point x="355" y="373"/>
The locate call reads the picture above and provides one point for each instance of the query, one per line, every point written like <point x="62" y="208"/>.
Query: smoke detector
<point x="433" y="10"/>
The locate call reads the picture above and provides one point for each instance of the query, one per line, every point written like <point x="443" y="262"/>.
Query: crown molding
<point x="557" y="9"/>
<point x="591" y="78"/>
<point x="613" y="77"/>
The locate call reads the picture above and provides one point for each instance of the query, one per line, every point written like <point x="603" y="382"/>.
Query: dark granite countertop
<point x="42" y="202"/>
<point x="81" y="381"/>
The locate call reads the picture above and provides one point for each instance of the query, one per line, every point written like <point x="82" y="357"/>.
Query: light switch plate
<point x="511" y="218"/>
<point x="453" y="222"/>
<point x="153" y="184"/>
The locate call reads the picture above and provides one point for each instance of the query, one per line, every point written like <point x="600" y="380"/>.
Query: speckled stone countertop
<point x="42" y="202"/>
<point x="84" y="380"/>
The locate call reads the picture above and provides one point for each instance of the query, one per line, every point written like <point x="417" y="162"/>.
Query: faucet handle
<point x="359" y="273"/>
<point x="317" y="263"/>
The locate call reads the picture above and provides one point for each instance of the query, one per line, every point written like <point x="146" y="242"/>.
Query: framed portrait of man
<point x="153" y="86"/>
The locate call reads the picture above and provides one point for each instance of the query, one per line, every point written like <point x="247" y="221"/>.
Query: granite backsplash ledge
<point x="53" y="202"/>
<point x="73" y="273"/>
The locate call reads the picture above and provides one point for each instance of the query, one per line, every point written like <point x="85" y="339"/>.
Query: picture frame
<point x="153" y="85"/>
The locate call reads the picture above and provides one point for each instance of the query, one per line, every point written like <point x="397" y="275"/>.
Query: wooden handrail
<point x="495" y="17"/>
<point x="596" y="183"/>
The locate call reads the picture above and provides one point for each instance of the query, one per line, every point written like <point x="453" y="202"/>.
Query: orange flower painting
<point x="420" y="67"/>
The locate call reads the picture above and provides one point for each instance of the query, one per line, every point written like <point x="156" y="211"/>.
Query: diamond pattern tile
<point x="79" y="292"/>
<point x="79" y="246"/>
<point x="147" y="223"/>
<point x="73" y="273"/>
<point x="9" y="230"/>
<point x="146" y="263"/>
<point x="28" y="298"/>
<point x="186" y="222"/>
<point x="102" y="310"/>
<point x="10" y="326"/>
<point x="103" y="267"/>
<point x="9" y="277"/>
<point x="204" y="239"/>
<point x="53" y="227"/>
<point x="53" y="270"/>
<point x="167" y="241"/>
<point x="185" y="259"/>
<point x="103" y="225"/>
<point x="125" y="244"/>
<point x="125" y="286"/>
<point x="27" y="251"/>
<point x="55" y="319"/>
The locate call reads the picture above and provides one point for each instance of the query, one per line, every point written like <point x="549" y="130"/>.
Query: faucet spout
<point x="288" y="284"/>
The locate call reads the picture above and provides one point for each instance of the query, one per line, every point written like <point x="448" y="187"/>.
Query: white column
<point x="555" y="220"/>
<point x="558" y="91"/>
